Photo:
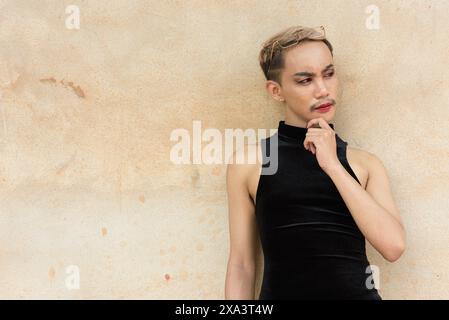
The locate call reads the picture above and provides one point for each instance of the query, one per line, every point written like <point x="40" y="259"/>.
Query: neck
<point x="293" y="120"/>
<point x="301" y="124"/>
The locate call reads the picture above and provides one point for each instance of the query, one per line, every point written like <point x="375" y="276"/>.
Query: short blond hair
<point x="271" y="59"/>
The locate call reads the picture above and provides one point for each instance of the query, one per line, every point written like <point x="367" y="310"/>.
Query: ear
<point x="275" y="90"/>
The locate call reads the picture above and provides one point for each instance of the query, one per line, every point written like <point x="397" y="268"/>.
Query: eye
<point x="304" y="82"/>
<point x="330" y="74"/>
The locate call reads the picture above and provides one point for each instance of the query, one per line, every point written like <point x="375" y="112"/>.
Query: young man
<point x="315" y="212"/>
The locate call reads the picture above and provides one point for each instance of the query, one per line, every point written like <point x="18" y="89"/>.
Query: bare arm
<point x="373" y="209"/>
<point x="240" y="275"/>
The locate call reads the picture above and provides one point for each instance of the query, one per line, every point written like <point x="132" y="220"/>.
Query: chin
<point x="328" y="116"/>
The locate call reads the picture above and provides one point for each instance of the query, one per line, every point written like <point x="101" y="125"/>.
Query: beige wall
<point x="86" y="116"/>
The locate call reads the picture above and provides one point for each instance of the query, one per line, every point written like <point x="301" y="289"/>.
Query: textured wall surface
<point x="86" y="180"/>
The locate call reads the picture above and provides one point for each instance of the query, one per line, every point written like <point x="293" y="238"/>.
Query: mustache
<point x="315" y="105"/>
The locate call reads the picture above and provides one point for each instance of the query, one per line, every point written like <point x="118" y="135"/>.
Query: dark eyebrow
<point x="311" y="74"/>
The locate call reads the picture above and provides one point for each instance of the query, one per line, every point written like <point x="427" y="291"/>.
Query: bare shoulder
<point x="375" y="165"/>
<point x="245" y="165"/>
<point x="370" y="160"/>
<point x="246" y="156"/>
<point x="245" y="159"/>
<point x="358" y="160"/>
<point x="366" y="162"/>
<point x="358" y="154"/>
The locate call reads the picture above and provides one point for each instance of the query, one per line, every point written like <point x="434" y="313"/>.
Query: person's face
<point x="308" y="79"/>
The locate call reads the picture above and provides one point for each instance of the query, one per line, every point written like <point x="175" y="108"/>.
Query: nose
<point x="321" y="90"/>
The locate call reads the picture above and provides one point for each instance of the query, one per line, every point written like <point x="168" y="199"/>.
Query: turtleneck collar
<point x="294" y="132"/>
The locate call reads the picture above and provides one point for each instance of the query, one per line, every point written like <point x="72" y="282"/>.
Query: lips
<point x="324" y="105"/>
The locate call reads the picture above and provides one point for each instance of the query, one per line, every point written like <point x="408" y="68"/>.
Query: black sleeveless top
<point x="312" y="246"/>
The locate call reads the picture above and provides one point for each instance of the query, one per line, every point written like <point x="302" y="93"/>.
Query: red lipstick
<point x="325" y="107"/>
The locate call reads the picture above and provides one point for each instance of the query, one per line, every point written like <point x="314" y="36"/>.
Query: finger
<point x="309" y="144"/>
<point x="310" y="147"/>
<point x="305" y="143"/>
<point x="323" y="124"/>
<point x="314" y="134"/>
<point x="313" y="148"/>
<point x="320" y="121"/>
<point x="313" y="123"/>
<point x="315" y="130"/>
